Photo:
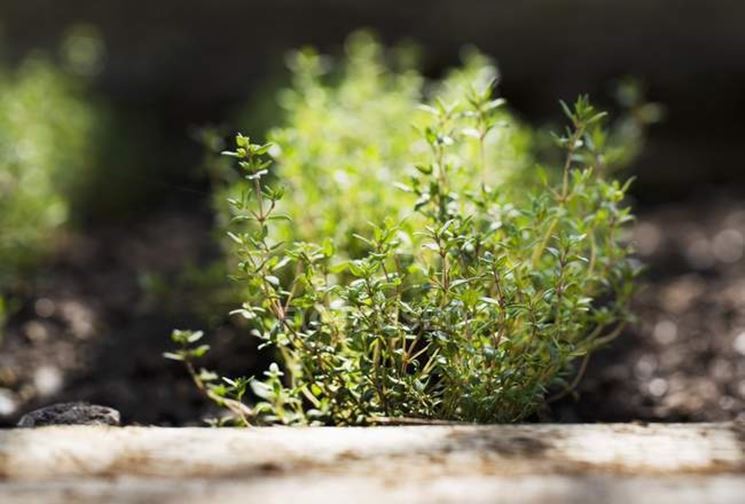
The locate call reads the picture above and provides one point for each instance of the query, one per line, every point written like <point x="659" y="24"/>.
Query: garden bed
<point x="681" y="362"/>
<point x="519" y="463"/>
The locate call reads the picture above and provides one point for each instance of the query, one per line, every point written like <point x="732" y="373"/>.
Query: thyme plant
<point x="468" y="303"/>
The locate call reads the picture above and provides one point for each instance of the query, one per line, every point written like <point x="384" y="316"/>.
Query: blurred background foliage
<point x="179" y="64"/>
<point x="349" y="129"/>
<point x="47" y="128"/>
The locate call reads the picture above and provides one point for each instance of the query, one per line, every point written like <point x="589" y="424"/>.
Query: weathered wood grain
<point x="523" y="463"/>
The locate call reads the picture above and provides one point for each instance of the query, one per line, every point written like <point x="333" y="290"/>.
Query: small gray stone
<point x="73" y="413"/>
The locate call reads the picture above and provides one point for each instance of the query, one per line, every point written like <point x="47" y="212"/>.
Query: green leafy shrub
<point x="467" y="299"/>
<point x="350" y="130"/>
<point x="46" y="130"/>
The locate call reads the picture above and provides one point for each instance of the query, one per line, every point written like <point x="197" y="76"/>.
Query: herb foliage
<point x="400" y="248"/>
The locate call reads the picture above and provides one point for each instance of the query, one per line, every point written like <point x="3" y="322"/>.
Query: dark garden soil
<point x="684" y="360"/>
<point x="94" y="325"/>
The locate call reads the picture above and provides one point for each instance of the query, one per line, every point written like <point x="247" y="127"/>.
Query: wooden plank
<point x="520" y="463"/>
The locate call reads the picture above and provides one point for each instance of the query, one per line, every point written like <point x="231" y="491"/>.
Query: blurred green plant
<point x="350" y="130"/>
<point x="464" y="292"/>
<point x="46" y="145"/>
